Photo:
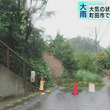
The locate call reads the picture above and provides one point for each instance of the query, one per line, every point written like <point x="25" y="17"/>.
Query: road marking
<point x="92" y="82"/>
<point x="15" y="108"/>
<point x="48" y="90"/>
<point x="9" y="105"/>
<point x="43" y="93"/>
<point x="18" y="100"/>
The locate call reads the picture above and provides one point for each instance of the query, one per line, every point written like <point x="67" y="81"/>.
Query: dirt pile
<point x="55" y="66"/>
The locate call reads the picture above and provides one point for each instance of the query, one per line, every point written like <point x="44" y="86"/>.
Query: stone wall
<point x="12" y="85"/>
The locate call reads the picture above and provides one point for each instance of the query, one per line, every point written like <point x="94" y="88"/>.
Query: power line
<point x="99" y="27"/>
<point x="104" y="31"/>
<point x="97" y="32"/>
<point x="96" y="38"/>
<point x="100" y="22"/>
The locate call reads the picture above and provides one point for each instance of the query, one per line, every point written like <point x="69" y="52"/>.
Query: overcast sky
<point x="67" y="22"/>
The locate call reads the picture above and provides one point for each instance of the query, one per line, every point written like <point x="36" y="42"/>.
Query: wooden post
<point x="23" y="69"/>
<point x="7" y="58"/>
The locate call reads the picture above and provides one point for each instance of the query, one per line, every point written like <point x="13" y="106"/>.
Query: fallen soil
<point x="55" y="66"/>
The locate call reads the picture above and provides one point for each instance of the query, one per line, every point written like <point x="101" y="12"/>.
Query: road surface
<point x="62" y="99"/>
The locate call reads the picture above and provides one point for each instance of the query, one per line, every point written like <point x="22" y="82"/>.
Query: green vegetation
<point x="80" y="59"/>
<point x="87" y="61"/>
<point x="17" y="30"/>
<point x="86" y="76"/>
<point x="83" y="76"/>
<point x="60" y="48"/>
<point x="79" y="56"/>
<point x="86" y="44"/>
<point x="42" y="70"/>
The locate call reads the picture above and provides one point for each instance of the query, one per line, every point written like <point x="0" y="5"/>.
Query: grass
<point x="86" y="76"/>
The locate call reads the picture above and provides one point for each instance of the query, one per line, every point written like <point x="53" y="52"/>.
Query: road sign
<point x="91" y="87"/>
<point x="32" y="79"/>
<point x="33" y="76"/>
<point x="33" y="73"/>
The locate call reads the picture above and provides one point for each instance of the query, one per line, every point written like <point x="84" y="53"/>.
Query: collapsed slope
<point x="55" y="66"/>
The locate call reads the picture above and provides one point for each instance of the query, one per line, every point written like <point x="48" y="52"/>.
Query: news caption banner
<point x="93" y="10"/>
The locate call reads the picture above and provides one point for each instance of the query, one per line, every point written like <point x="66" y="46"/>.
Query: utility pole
<point x="96" y="40"/>
<point x="96" y="43"/>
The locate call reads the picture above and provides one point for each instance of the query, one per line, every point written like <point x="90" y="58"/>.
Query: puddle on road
<point x="62" y="99"/>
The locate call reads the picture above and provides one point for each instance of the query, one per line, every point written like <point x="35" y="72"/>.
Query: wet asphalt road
<point x="62" y="99"/>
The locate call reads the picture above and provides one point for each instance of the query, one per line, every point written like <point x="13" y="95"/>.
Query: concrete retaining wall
<point x="12" y="85"/>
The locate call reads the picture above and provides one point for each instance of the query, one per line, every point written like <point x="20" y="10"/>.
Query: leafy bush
<point x="42" y="70"/>
<point x="69" y="63"/>
<point x="67" y="75"/>
<point x="86" y="76"/>
<point x="87" y="61"/>
<point x="64" y="75"/>
<point x="61" y="49"/>
<point x="66" y="79"/>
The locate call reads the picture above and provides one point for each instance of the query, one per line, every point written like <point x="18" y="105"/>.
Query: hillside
<point x="55" y="66"/>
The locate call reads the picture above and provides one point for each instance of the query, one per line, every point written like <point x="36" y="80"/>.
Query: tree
<point x="61" y="49"/>
<point x="85" y="44"/>
<point x="17" y="25"/>
<point x="101" y="60"/>
<point x="87" y="61"/>
<point x="107" y="58"/>
<point x="18" y="31"/>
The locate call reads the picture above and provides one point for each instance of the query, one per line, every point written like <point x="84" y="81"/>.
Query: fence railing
<point x="14" y="62"/>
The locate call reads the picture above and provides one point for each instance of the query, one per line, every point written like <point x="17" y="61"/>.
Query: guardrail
<point x="17" y="64"/>
<point x="92" y="82"/>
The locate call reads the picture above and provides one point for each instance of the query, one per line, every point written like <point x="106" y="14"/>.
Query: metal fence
<point x="14" y="62"/>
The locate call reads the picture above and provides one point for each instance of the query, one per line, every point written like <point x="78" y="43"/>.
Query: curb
<point x="18" y="102"/>
<point x="23" y="101"/>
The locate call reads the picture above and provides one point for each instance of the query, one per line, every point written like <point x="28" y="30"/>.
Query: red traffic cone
<point x="75" y="92"/>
